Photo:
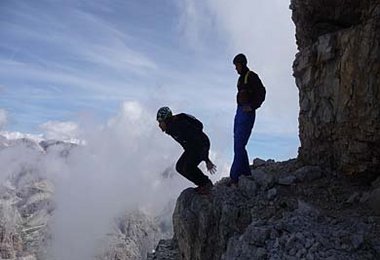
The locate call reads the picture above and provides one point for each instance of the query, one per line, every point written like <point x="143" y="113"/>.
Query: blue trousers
<point x="243" y="125"/>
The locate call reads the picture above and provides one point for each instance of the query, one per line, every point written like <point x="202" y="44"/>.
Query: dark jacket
<point x="188" y="132"/>
<point x="246" y="91"/>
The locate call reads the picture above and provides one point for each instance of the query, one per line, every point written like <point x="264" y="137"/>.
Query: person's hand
<point x="211" y="167"/>
<point x="247" y="108"/>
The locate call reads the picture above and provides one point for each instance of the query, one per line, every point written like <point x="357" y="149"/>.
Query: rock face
<point x="26" y="203"/>
<point x="134" y="235"/>
<point x="308" y="218"/>
<point x="25" y="210"/>
<point x="203" y="225"/>
<point x="337" y="71"/>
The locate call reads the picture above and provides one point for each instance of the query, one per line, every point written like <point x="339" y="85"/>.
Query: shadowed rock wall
<point x="337" y="71"/>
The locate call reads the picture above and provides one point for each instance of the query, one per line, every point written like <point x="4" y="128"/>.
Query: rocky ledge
<point x="282" y="211"/>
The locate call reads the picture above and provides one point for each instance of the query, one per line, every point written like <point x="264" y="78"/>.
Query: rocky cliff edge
<point x="282" y="211"/>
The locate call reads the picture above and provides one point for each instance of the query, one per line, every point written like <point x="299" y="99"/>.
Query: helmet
<point x="240" y="58"/>
<point x="163" y="113"/>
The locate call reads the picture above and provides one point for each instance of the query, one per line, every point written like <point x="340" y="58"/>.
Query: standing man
<point x="250" y="95"/>
<point x="188" y="132"/>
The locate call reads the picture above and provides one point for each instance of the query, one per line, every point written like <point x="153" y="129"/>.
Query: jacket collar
<point x="244" y="71"/>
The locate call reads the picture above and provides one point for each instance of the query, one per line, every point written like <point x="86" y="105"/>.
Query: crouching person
<point x="188" y="132"/>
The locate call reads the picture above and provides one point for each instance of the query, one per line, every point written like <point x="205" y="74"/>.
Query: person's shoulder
<point x="253" y="73"/>
<point x="184" y="116"/>
<point x="179" y="116"/>
<point x="253" y="76"/>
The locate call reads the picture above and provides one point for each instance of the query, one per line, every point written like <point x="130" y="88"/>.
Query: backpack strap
<point x="246" y="77"/>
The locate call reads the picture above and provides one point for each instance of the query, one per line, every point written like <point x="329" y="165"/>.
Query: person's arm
<point x="252" y="84"/>
<point x="247" y="107"/>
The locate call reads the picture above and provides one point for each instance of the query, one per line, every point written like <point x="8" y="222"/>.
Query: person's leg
<point x="187" y="166"/>
<point x="243" y="125"/>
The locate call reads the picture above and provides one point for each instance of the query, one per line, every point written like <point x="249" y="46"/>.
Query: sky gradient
<point x="65" y="63"/>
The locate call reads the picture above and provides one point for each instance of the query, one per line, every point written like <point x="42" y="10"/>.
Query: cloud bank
<point x="3" y="118"/>
<point x="120" y="168"/>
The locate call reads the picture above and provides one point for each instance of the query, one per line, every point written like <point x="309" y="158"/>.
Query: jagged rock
<point x="308" y="173"/>
<point x="353" y="198"/>
<point x="26" y="210"/>
<point x="10" y="239"/>
<point x="374" y="200"/>
<point x="306" y="209"/>
<point x="263" y="179"/>
<point x="248" y="223"/>
<point x="364" y="197"/>
<point x="287" y="180"/>
<point x="247" y="185"/>
<point x="357" y="240"/>
<point x="257" y="162"/>
<point x="294" y="230"/>
<point x="135" y="234"/>
<point x="337" y="71"/>
<point x="165" y="250"/>
<point x="272" y="193"/>
<point x="376" y="183"/>
<point x="203" y="224"/>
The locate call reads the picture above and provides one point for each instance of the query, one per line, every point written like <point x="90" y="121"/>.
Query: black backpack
<point x="194" y="122"/>
<point x="259" y="91"/>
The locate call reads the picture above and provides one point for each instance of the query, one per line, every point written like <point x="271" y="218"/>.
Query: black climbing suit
<point x="188" y="132"/>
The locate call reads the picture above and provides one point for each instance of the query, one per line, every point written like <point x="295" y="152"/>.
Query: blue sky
<point x="72" y="60"/>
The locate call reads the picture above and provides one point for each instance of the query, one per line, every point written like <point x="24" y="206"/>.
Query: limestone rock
<point x="337" y="71"/>
<point x="308" y="173"/>
<point x="165" y="250"/>
<point x="263" y="179"/>
<point x="283" y="222"/>
<point x="135" y="234"/>
<point x="257" y="162"/>
<point x="203" y="224"/>
<point x="376" y="183"/>
<point x="272" y="193"/>
<point x="374" y="200"/>
<point x="248" y="186"/>
<point x="287" y="180"/>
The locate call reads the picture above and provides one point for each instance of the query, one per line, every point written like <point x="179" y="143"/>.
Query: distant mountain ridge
<point x="27" y="205"/>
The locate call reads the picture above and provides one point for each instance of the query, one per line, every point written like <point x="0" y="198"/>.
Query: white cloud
<point x="3" y="118"/>
<point x="120" y="168"/>
<point x="194" y="21"/>
<point x="264" y="31"/>
<point x="65" y="131"/>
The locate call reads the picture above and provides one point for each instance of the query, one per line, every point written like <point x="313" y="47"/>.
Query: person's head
<point x="240" y="62"/>
<point x="162" y="115"/>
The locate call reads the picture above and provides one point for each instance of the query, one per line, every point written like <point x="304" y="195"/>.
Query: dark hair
<point x="240" y="58"/>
